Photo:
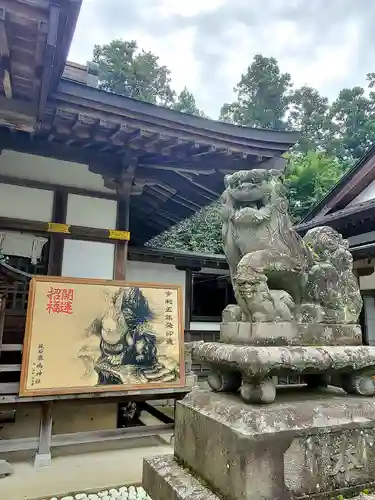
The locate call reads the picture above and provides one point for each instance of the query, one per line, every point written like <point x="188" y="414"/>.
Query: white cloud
<point x="207" y="44"/>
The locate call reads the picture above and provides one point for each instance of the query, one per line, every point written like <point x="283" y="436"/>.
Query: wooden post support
<point x="124" y="191"/>
<point x="188" y="298"/>
<point x="43" y="455"/>
<point x="56" y="248"/>
<point x="123" y="214"/>
<point x="2" y="318"/>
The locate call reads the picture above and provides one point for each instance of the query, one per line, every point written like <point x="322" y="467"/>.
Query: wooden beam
<point x="20" y="108"/>
<point x="176" y="143"/>
<point x="181" y="200"/>
<point x="80" y="438"/>
<point x="22" y="143"/>
<point x="10" y="368"/>
<point x="176" y="168"/>
<point x="132" y="137"/>
<point x="12" y="347"/>
<point x="65" y="230"/>
<point x="155" y="412"/>
<point x="5" y="55"/>
<point x="209" y="194"/>
<point x="9" y="387"/>
<point x="169" y="122"/>
<point x="15" y="181"/>
<point x="147" y="394"/>
<point x="53" y="26"/>
<point x="27" y="9"/>
<point x="119" y="133"/>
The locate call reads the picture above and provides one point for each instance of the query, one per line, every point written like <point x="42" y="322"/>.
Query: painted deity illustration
<point x="122" y="347"/>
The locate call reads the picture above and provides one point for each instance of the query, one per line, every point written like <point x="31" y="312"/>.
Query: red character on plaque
<point x="60" y="300"/>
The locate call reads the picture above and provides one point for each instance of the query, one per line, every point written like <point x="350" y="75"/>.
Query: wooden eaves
<point x="178" y="161"/>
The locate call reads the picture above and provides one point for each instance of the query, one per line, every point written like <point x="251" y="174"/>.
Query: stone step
<point x="164" y="478"/>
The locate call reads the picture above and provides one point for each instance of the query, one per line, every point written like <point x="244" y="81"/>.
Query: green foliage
<point x="185" y="102"/>
<point x="199" y="233"/>
<point x="352" y="117"/>
<point x="309" y="113"/>
<point x="126" y="70"/>
<point x="333" y="135"/>
<point x="308" y="178"/>
<point x="265" y="97"/>
<point x="262" y="96"/>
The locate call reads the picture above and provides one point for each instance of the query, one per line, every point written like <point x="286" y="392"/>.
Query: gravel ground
<point x="123" y="493"/>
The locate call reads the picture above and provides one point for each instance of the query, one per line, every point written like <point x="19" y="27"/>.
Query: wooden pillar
<point x="43" y="455"/>
<point x="188" y="299"/>
<point x="56" y="248"/>
<point x="2" y="317"/>
<point x="124" y="191"/>
<point x="123" y="217"/>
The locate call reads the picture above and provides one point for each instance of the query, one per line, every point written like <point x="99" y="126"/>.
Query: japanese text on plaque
<point x="38" y="366"/>
<point x="60" y="300"/>
<point x="168" y="318"/>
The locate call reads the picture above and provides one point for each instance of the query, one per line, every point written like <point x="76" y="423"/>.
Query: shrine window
<point x="211" y="293"/>
<point x="17" y="298"/>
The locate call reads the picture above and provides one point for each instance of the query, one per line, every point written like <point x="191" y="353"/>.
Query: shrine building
<point x="87" y="177"/>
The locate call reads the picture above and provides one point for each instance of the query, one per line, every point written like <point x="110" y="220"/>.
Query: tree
<point x="332" y="136"/>
<point x="263" y="96"/>
<point x="185" y="102"/>
<point x="126" y="70"/>
<point x="309" y="113"/>
<point x="352" y="116"/>
<point x="308" y="178"/>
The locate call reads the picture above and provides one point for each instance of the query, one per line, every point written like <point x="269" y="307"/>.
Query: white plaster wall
<point x="204" y="326"/>
<point x="88" y="259"/>
<point x="369" y="308"/>
<point x="367" y="282"/>
<point x="366" y="195"/>
<point x="91" y="212"/>
<point x="51" y="171"/>
<point x="153" y="272"/>
<point x="21" y="202"/>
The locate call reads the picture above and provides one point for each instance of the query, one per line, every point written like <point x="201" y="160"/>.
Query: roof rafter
<point x="4" y="51"/>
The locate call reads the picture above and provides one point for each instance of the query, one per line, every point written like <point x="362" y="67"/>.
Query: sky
<point x="208" y="44"/>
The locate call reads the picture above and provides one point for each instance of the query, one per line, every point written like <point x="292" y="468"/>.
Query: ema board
<point x="96" y="336"/>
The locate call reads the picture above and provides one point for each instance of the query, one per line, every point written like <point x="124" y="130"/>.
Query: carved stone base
<point x="350" y="367"/>
<point x="289" y="333"/>
<point x="224" y="381"/>
<point x="258" y="392"/>
<point x="323" y="445"/>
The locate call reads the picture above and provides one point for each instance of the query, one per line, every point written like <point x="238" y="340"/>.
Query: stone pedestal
<point x="302" y="445"/>
<point x="289" y="333"/>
